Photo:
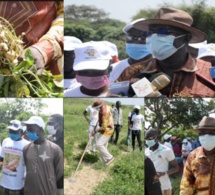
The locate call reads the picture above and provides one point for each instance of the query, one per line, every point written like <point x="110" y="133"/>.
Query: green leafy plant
<point x="21" y="79"/>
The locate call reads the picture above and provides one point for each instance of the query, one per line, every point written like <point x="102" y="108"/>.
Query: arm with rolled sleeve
<point x="50" y="45"/>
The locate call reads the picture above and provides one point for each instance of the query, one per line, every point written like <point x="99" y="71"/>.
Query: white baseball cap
<point x="35" y="120"/>
<point x="206" y="50"/>
<point x="184" y="141"/>
<point x="70" y="43"/>
<point x="137" y="107"/>
<point x="92" y="55"/>
<point x="167" y="136"/>
<point x="130" y="25"/>
<point x="15" y="125"/>
<point x="112" y="47"/>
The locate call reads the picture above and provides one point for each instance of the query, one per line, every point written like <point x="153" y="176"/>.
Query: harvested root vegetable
<point x="16" y="80"/>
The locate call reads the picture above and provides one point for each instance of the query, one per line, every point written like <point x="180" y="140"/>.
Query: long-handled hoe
<point x="72" y="180"/>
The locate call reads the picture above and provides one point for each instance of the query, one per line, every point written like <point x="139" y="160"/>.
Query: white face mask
<point x="51" y="130"/>
<point x="150" y="143"/>
<point x="207" y="141"/>
<point x="161" y="47"/>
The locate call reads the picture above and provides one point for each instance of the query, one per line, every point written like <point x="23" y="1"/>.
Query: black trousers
<point x="134" y="134"/>
<point x="5" y="191"/>
<point x="117" y="129"/>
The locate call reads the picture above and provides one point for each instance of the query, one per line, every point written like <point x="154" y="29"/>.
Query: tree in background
<point x="167" y="114"/>
<point x="91" y="24"/>
<point x="91" y="13"/>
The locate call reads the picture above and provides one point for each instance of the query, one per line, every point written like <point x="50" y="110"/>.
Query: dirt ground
<point x="85" y="181"/>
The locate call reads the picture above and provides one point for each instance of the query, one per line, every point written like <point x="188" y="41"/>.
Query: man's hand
<point x="93" y="133"/>
<point x="38" y="60"/>
<point x="1" y="163"/>
<point x="159" y="174"/>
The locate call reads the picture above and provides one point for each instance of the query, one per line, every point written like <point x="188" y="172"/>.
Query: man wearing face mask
<point x="136" y="127"/>
<point x="92" y="65"/>
<point x="168" y="36"/>
<point x="185" y="150"/>
<point x="13" y="170"/>
<point x="163" y="159"/>
<point x="137" y="51"/>
<point x="198" y="175"/>
<point x="43" y="160"/>
<point x="55" y="129"/>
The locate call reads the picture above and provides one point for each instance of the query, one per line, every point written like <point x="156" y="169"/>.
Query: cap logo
<point x="211" y="47"/>
<point x="90" y="53"/>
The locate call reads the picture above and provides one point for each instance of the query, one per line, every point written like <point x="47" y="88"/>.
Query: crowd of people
<point x="108" y="122"/>
<point x="32" y="164"/>
<point x="195" y="157"/>
<point x="159" y="49"/>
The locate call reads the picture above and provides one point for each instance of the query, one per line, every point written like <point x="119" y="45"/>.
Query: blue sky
<point x="124" y="9"/>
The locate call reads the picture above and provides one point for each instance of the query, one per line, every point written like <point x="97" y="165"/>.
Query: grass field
<point x="125" y="176"/>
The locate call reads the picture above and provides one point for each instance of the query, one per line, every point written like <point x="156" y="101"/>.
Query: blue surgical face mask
<point x="14" y="137"/>
<point x="32" y="136"/>
<point x="150" y="143"/>
<point x="137" y="51"/>
<point x="161" y="47"/>
<point x="207" y="141"/>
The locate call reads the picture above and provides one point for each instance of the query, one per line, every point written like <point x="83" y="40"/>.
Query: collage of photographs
<point x="107" y="97"/>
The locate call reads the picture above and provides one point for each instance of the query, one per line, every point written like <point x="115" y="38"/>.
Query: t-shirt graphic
<point x="11" y="160"/>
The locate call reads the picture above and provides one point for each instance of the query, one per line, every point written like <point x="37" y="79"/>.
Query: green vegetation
<point x="176" y="184"/>
<point x="177" y="116"/>
<point x="125" y="175"/>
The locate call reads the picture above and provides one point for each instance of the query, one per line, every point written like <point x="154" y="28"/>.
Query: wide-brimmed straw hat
<point x="173" y="17"/>
<point x="207" y="123"/>
<point x="98" y="103"/>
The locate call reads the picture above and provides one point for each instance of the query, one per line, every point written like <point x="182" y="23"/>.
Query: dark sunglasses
<point x="133" y="38"/>
<point x="142" y="37"/>
<point x="204" y="132"/>
<point x="162" y="31"/>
